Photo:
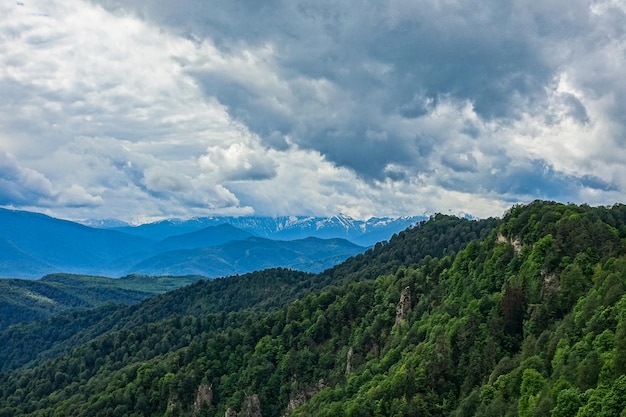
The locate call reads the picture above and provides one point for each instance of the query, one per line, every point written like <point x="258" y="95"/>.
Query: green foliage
<point x="262" y="291"/>
<point x="532" y="385"/>
<point x="528" y="321"/>
<point x="30" y="300"/>
<point x="437" y="237"/>
<point x="567" y="403"/>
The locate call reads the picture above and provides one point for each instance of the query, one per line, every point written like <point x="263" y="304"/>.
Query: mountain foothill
<point x="523" y="315"/>
<point x="54" y="264"/>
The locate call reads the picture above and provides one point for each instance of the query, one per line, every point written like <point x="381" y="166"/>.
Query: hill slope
<point x="255" y="253"/>
<point x="260" y="291"/>
<point x="30" y="300"/>
<point x="209" y="236"/>
<point x="527" y="322"/>
<point x="40" y="244"/>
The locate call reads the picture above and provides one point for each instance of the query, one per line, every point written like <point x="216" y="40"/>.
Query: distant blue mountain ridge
<point x="33" y="244"/>
<point x="362" y="232"/>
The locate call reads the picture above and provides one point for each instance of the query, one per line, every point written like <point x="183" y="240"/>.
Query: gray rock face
<point x="349" y="361"/>
<point x="297" y="398"/>
<point x="204" y="398"/>
<point x="404" y="306"/>
<point x="251" y="407"/>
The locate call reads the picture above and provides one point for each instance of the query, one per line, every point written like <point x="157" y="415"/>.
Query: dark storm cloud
<point x="534" y="179"/>
<point x="460" y="162"/>
<point x="382" y="60"/>
<point x="197" y="106"/>
<point x="531" y="178"/>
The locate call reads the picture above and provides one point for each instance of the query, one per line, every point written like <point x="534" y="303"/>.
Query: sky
<point x="141" y="109"/>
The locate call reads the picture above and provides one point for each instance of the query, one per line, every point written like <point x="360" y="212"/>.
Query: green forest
<point x="519" y="316"/>
<point x="29" y="300"/>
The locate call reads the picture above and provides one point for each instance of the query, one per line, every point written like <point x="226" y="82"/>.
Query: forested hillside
<point x="29" y="300"/>
<point x="528" y="319"/>
<point x="261" y="291"/>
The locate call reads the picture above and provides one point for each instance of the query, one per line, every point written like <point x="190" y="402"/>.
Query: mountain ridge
<point x="310" y="254"/>
<point x="60" y="245"/>
<point x="35" y="244"/>
<point x="256" y="291"/>
<point x="527" y="319"/>
<point x="364" y="233"/>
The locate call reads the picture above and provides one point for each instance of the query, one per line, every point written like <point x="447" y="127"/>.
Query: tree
<point x="532" y="385"/>
<point x="567" y="403"/>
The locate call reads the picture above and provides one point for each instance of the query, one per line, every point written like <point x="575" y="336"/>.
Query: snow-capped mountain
<point x="33" y="245"/>
<point x="104" y="223"/>
<point x="365" y="233"/>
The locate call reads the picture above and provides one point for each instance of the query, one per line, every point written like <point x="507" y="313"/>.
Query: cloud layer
<point x="143" y="109"/>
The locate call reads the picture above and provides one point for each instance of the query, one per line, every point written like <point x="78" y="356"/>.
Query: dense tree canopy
<point x="525" y="316"/>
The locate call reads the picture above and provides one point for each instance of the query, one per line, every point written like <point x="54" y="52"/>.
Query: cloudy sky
<point x="144" y="109"/>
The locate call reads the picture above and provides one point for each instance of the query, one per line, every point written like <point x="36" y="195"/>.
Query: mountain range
<point x="31" y="300"/>
<point x="33" y="244"/>
<point x="361" y="232"/>
<point x="521" y="316"/>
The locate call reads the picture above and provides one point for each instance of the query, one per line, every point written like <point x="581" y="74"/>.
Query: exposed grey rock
<point x="204" y="398"/>
<point x="251" y="407"/>
<point x="516" y="243"/>
<point x="297" y="398"/>
<point x="404" y="306"/>
<point x="349" y="361"/>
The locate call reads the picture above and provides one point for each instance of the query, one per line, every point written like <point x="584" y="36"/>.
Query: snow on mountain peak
<point x="362" y="232"/>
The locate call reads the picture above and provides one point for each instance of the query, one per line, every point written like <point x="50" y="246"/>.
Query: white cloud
<point x="238" y="162"/>
<point x="158" y="180"/>
<point x="195" y="108"/>
<point x="77" y="196"/>
<point x="26" y="186"/>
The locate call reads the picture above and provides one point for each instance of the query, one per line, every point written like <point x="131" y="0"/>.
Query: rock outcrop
<point x="516" y="243"/>
<point x="404" y="305"/>
<point x="297" y="398"/>
<point x="251" y="407"/>
<point x="349" y="361"/>
<point x="204" y="398"/>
